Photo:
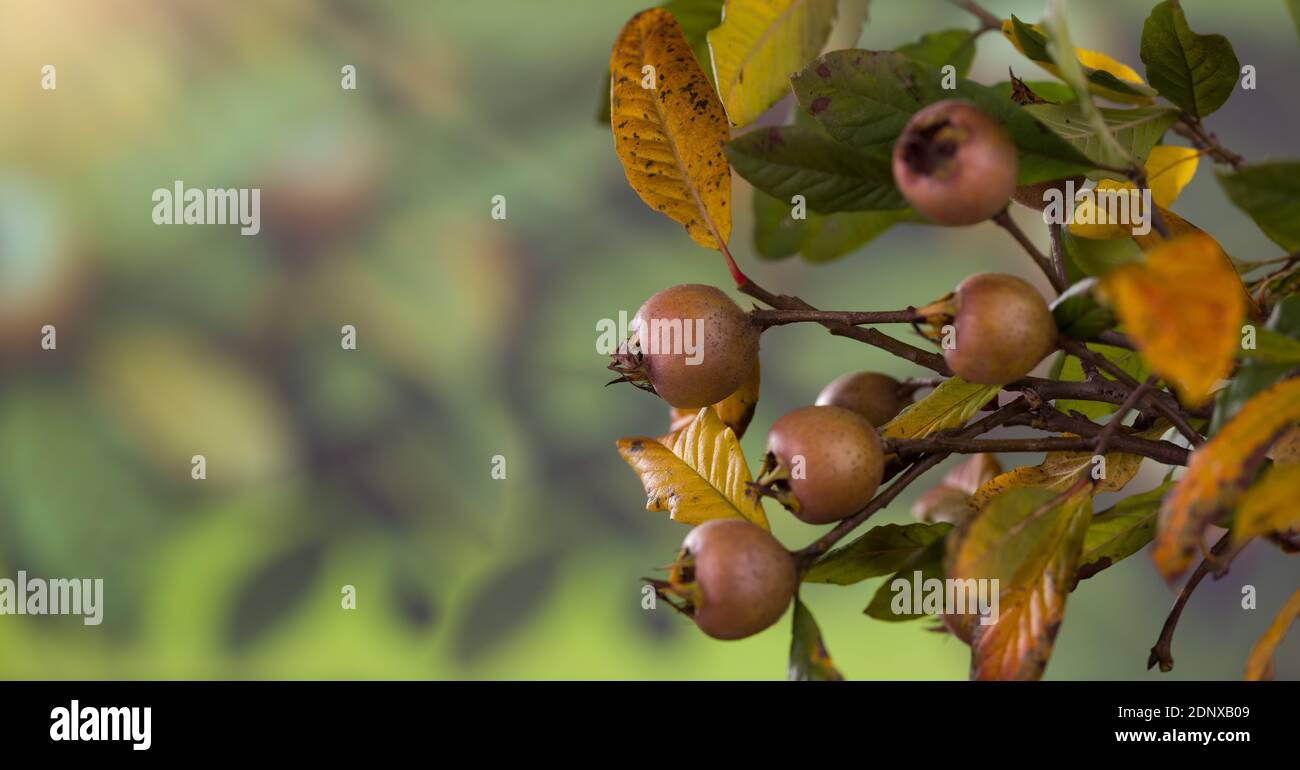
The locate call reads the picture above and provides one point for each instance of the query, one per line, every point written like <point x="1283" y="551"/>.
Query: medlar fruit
<point x="734" y="578"/>
<point x="1003" y="329"/>
<point x="955" y="164"/>
<point x="823" y="463"/>
<point x="870" y="394"/>
<point x="691" y="345"/>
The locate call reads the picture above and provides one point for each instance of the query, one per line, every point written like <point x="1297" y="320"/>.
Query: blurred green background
<point x="476" y="338"/>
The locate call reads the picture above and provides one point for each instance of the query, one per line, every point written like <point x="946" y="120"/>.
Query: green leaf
<point x="784" y="161"/>
<point x="819" y="238"/>
<point x="1119" y="532"/>
<point x="1137" y="130"/>
<point x="936" y="49"/>
<point x="1081" y="79"/>
<point x="758" y="44"/>
<point x="1196" y="72"/>
<point x="272" y="593"/>
<point x="1255" y="376"/>
<point x="809" y="659"/>
<point x="1270" y="194"/>
<point x="1048" y="90"/>
<point x="696" y="18"/>
<point x="1071" y="371"/>
<point x="865" y="98"/>
<point x="1273" y="348"/>
<point x="1093" y="256"/>
<point x="948" y="406"/>
<point x="880" y="551"/>
<point x="929" y="562"/>
<point x="1079" y="315"/>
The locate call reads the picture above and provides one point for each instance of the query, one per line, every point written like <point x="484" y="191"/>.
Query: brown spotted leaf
<point x="696" y="474"/>
<point x="669" y="127"/>
<point x="1217" y="472"/>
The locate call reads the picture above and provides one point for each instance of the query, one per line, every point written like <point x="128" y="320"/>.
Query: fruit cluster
<point x="825" y="462"/>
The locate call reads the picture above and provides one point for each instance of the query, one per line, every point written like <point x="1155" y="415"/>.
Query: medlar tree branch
<point x="1193" y="130"/>
<point x="1161" y="405"/>
<point x="767" y="318"/>
<point x="987" y="20"/>
<point x="1160" y="451"/>
<point x="1162" y="652"/>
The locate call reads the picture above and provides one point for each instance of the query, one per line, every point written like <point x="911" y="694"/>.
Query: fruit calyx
<point x="774" y="481"/>
<point x="929" y="150"/>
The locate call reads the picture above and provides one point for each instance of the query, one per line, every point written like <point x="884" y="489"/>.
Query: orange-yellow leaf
<point x="696" y="474"/>
<point x="669" y="127"/>
<point x="1029" y="540"/>
<point x="1216" y="472"/>
<point x="735" y="410"/>
<point x="1259" y="664"/>
<point x="1272" y="505"/>
<point x="1060" y="470"/>
<point x="1178" y="226"/>
<point x="1184" y="308"/>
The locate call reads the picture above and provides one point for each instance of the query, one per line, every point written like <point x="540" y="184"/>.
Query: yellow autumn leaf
<point x="1259" y="663"/>
<point x="697" y="474"/>
<point x="1271" y="505"/>
<point x="1212" y="482"/>
<point x="1169" y="169"/>
<point x="1092" y="61"/>
<point x="1060" y="470"/>
<point x="948" y="406"/>
<point x="1183" y="307"/>
<point x="669" y="127"/>
<point x="735" y="410"/>
<point x="758" y="45"/>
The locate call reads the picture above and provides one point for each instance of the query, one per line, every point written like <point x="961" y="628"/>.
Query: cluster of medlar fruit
<point x="694" y="347"/>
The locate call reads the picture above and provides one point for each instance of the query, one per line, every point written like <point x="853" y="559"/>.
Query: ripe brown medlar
<point x="823" y="463"/>
<point x="1003" y="329"/>
<point x="691" y="345"/>
<point x="874" y="396"/>
<point x="955" y="164"/>
<point x="732" y="578"/>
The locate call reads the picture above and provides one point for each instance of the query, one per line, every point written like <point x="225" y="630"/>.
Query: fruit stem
<point x="1003" y="219"/>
